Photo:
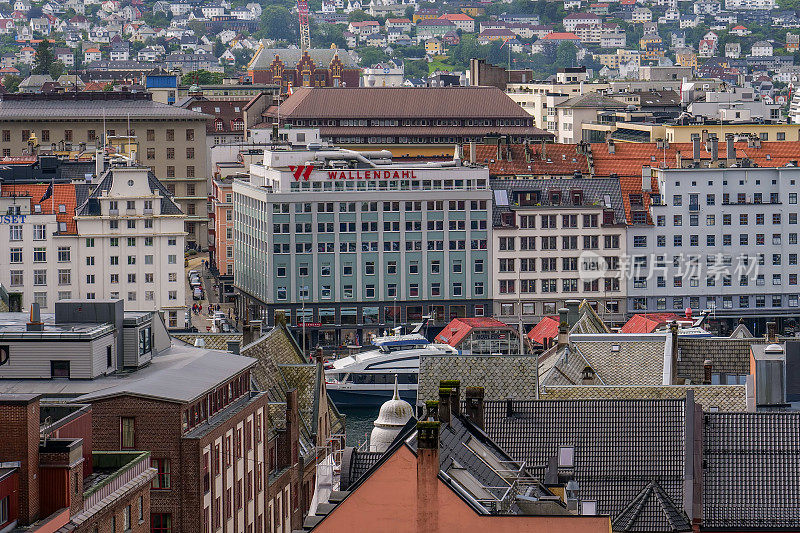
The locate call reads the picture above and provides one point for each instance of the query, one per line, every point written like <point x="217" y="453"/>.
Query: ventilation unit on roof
<point x="615" y="348"/>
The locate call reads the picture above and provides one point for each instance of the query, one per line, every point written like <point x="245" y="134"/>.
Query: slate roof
<point x="502" y="376"/>
<point x="592" y="100"/>
<point x="291" y="56"/>
<point x="213" y="341"/>
<point x="594" y="191"/>
<point x="89" y="208"/>
<point x="751" y="479"/>
<point x="716" y="397"/>
<point x="531" y="160"/>
<point x="728" y="356"/>
<point x="620" y="447"/>
<point x="652" y="504"/>
<point x="401" y="102"/>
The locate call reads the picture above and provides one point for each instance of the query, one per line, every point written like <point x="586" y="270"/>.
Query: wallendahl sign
<point x="304" y="172"/>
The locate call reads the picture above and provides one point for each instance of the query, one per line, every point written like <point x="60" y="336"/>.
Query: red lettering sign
<point x="302" y="171"/>
<point x="369" y="174"/>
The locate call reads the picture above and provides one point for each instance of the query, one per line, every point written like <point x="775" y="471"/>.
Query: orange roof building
<point x="480" y="336"/>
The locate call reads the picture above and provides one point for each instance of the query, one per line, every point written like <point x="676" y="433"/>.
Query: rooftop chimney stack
<point x="475" y="405"/>
<point x="611" y="147"/>
<point x="714" y="148"/>
<point x="772" y="332"/>
<point x="572" y="311"/>
<point x="455" y="396"/>
<point x="673" y="331"/>
<point x="432" y="411"/>
<point x="696" y="150"/>
<point x="473" y="157"/>
<point x="707" y="368"/>
<point x="444" y="404"/>
<point x="35" y="323"/>
<point x="427" y="476"/>
<point x="730" y="151"/>
<point x="563" y="327"/>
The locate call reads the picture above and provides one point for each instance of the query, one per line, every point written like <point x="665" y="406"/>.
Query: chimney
<point x="292" y="429"/>
<point x="647" y="183"/>
<point x="714" y="148"/>
<point x="475" y="405"/>
<point x="432" y="410"/>
<point x="677" y="159"/>
<point x="563" y="327"/>
<point x="99" y="162"/>
<point x="696" y="150"/>
<point x="455" y="397"/>
<point x="444" y="404"/>
<point x="772" y="332"/>
<point x="499" y="155"/>
<point x="611" y="147"/>
<point x="35" y="323"/>
<point x="673" y="331"/>
<point x="280" y="318"/>
<point x="427" y="476"/>
<point x="19" y="418"/>
<point x="473" y="157"/>
<point x="572" y="311"/>
<point x="319" y="356"/>
<point x="730" y="152"/>
<point x="233" y="347"/>
<point x="707" y="368"/>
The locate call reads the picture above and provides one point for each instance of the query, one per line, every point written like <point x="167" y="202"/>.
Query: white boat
<point x="367" y="378"/>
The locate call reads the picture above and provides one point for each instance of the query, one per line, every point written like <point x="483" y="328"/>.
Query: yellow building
<point x="473" y="11"/>
<point x="686" y="59"/>
<point x="425" y="14"/>
<point x="614" y="60"/>
<point x="433" y="47"/>
<point x="765" y="132"/>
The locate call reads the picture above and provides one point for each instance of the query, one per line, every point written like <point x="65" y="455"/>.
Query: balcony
<point x="113" y="474"/>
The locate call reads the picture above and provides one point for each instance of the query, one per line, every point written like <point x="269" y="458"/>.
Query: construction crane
<point x="305" y="34"/>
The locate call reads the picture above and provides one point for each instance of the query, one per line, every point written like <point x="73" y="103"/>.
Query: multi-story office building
<point x="724" y="239"/>
<point x="556" y="240"/>
<point x="351" y="244"/>
<point x="221" y="252"/>
<point x="121" y="237"/>
<point x="168" y="139"/>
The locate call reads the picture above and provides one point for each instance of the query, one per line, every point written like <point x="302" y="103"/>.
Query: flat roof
<point x="54" y="110"/>
<point x="179" y="374"/>
<point x="14" y="326"/>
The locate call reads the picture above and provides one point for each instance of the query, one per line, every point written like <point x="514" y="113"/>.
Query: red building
<point x="51" y="478"/>
<point x="222" y="251"/>
<point x="321" y="67"/>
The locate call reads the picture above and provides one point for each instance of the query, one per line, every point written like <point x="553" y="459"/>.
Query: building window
<point x="161" y="522"/>
<point x="127" y="432"/>
<point x="162" y="480"/>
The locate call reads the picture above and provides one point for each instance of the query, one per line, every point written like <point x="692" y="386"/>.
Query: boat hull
<point x="368" y="397"/>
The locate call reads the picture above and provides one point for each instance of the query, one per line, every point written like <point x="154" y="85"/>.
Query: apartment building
<point x="555" y="240"/>
<point x="739" y="257"/>
<point x="221" y="462"/>
<point x="349" y="244"/>
<point x="119" y="237"/>
<point x="168" y="139"/>
<point x="222" y="249"/>
<point x="52" y="478"/>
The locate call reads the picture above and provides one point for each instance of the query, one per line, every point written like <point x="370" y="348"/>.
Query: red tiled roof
<point x="647" y="322"/>
<point x="556" y="35"/>
<point x="547" y="328"/>
<point x="564" y="160"/>
<point x="456" y="16"/>
<point x="62" y="194"/>
<point x="628" y="159"/>
<point x="458" y="328"/>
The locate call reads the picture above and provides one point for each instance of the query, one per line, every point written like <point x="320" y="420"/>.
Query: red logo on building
<point x="303" y="171"/>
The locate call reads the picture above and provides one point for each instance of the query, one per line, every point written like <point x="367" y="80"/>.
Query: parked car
<point x="197" y="294"/>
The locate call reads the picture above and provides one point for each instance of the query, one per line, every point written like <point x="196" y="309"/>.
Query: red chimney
<point x="427" y="476"/>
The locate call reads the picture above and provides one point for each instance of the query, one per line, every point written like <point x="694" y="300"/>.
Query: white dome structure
<point x="392" y="417"/>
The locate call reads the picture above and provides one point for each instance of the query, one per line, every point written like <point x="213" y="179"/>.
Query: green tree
<point x="11" y="82"/>
<point x="57" y="68"/>
<point x="201" y="77"/>
<point x="324" y="35"/>
<point x="277" y="22"/>
<point x="357" y="16"/>
<point x="44" y="58"/>
<point x="371" y="55"/>
<point x="218" y="48"/>
<point x="566" y="54"/>
<point x="416" y="69"/>
<point x="198" y="27"/>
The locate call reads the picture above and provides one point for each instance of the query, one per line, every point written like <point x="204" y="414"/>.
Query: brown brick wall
<point x="157" y="430"/>
<point x="20" y="423"/>
<point x="102" y="520"/>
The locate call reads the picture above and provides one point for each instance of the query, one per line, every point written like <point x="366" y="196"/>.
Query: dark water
<point x="359" y="422"/>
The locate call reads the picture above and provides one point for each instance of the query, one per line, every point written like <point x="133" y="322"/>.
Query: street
<point x="202" y="321"/>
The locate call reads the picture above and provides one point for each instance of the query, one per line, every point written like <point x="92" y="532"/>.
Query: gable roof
<point x="89" y="208"/>
<point x="458" y="329"/>
<point x="549" y="159"/>
<point x="620" y="447"/>
<point x="592" y="100"/>
<point x="547" y="328"/>
<point x="650" y="505"/>
<point x="749" y="475"/>
<point x="290" y="57"/>
<point x="647" y="322"/>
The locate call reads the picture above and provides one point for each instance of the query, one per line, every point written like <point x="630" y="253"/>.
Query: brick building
<point x="317" y="67"/>
<point x="222" y="250"/>
<point x="52" y="479"/>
